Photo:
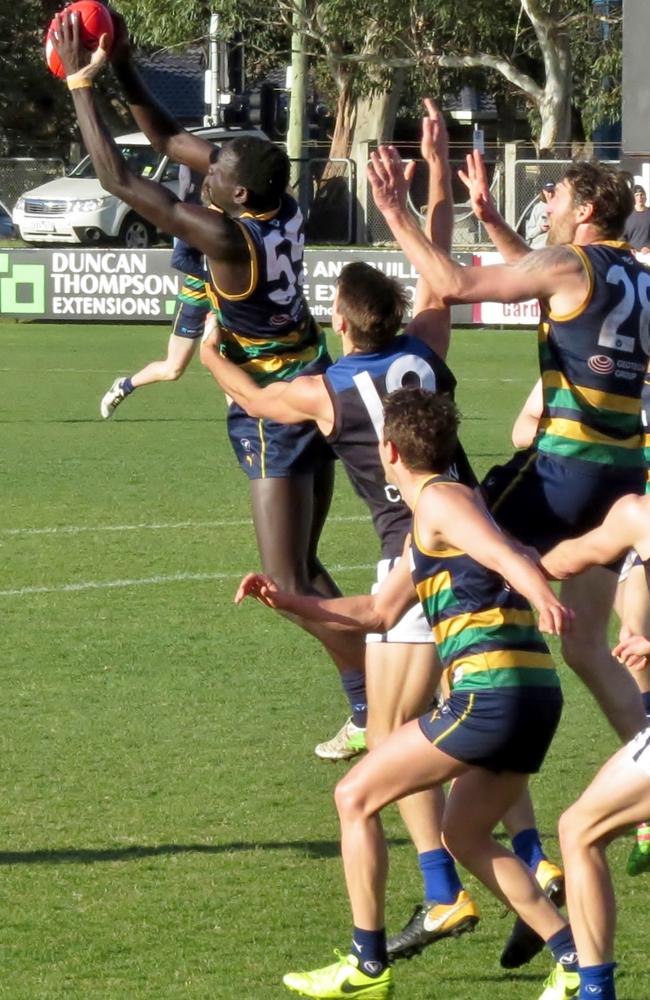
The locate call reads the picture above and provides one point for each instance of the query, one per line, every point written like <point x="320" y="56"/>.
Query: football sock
<point x="127" y="386"/>
<point x="354" y="685"/>
<point x="597" y="982"/>
<point x="439" y="875"/>
<point x="563" y="948"/>
<point x="528" y="847"/>
<point x="370" y="948"/>
<point x="646" y="702"/>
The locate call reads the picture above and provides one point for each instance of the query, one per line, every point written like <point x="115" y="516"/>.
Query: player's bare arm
<point x="431" y="319"/>
<point x="163" y="131"/>
<point x="554" y="274"/>
<point x="509" y="244"/>
<point x="361" y="613"/>
<point x="216" y="235"/>
<point x="304" y="398"/>
<point x="451" y="515"/>
<point x="525" y="427"/>
<point x="625" y="527"/>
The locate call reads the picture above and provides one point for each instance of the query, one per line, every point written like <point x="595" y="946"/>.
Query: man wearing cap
<point x="537" y="224"/>
<point x="637" y="227"/>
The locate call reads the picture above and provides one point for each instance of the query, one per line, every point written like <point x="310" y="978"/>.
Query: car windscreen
<point x="142" y="160"/>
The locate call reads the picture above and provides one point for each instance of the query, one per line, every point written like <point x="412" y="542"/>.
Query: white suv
<point x="77" y="209"/>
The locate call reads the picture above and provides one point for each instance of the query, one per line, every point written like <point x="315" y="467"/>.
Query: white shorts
<point x="638" y="750"/>
<point x="412" y="626"/>
<point x="631" y="559"/>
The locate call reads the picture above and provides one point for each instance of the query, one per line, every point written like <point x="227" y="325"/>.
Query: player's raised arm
<point x="361" y="613"/>
<point x="624" y="527"/>
<point x="431" y="318"/>
<point x="164" y="133"/>
<point x="509" y="244"/>
<point x="457" y="515"/>
<point x="555" y="273"/>
<point x="210" y="232"/>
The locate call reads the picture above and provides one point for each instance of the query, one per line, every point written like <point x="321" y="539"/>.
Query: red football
<point x="95" y="22"/>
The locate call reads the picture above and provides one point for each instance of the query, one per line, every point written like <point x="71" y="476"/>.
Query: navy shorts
<point x="189" y="320"/>
<point x="541" y="500"/>
<point x="509" y="729"/>
<point x="268" y="450"/>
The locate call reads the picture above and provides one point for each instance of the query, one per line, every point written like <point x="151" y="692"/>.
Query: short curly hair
<point x="423" y="426"/>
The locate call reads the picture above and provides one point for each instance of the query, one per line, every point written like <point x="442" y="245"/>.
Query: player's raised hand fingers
<point x="376" y="169"/>
<point x="409" y="171"/>
<point x="431" y="108"/>
<point x="479" y="168"/>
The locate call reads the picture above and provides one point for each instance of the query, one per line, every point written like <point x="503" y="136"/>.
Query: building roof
<point x="177" y="80"/>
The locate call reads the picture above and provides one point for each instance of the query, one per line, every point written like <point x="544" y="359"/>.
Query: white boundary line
<point x="78" y="529"/>
<point x="74" y="588"/>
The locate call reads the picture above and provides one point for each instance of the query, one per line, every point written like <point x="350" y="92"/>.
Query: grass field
<point x="166" y="830"/>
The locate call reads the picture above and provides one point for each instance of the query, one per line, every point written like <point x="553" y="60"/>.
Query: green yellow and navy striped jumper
<point x="193" y="293"/>
<point x="268" y="329"/>
<point x="484" y="631"/>
<point x="593" y="362"/>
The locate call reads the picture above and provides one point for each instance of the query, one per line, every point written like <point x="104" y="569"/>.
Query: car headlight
<point x="88" y="204"/>
<point x="20" y="205"/>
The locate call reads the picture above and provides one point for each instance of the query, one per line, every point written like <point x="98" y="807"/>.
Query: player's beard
<point x="561" y="231"/>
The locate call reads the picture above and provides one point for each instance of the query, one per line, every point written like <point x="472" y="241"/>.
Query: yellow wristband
<point x="78" y="84"/>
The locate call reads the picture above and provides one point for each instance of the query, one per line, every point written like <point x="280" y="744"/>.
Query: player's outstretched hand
<point x="389" y="179"/>
<point x="258" y="586"/>
<point x="435" y="141"/>
<point x="475" y="180"/>
<point x="75" y="57"/>
<point x="555" y="618"/>
<point x="633" y="651"/>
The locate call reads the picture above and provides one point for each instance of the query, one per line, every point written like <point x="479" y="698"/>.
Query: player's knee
<point x="567" y="830"/>
<point x="173" y="371"/>
<point x="582" y="653"/>
<point x="459" y="839"/>
<point x="349" y="798"/>
<point x="574" y="830"/>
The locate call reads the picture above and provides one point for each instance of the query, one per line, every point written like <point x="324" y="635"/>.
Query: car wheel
<point x="136" y="234"/>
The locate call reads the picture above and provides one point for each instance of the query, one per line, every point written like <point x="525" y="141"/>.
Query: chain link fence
<point x="20" y="174"/>
<point x="332" y="197"/>
<point x="468" y="232"/>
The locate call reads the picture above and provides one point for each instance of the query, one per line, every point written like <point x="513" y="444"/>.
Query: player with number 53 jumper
<point x="250" y="232"/>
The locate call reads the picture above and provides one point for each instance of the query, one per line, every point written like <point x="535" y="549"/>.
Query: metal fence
<point x="529" y="175"/>
<point x="468" y="232"/>
<point x="337" y="202"/>
<point x="20" y="174"/>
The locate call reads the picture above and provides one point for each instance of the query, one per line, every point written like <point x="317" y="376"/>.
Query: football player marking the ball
<point x="252" y="238"/>
<point x="619" y="795"/>
<point x="493" y="730"/>
<point x="402" y="669"/>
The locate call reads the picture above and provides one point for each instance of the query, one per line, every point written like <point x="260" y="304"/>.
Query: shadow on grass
<point x="89" y="856"/>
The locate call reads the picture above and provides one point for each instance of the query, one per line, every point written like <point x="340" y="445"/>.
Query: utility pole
<point x="216" y="77"/>
<point x="296" y="130"/>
